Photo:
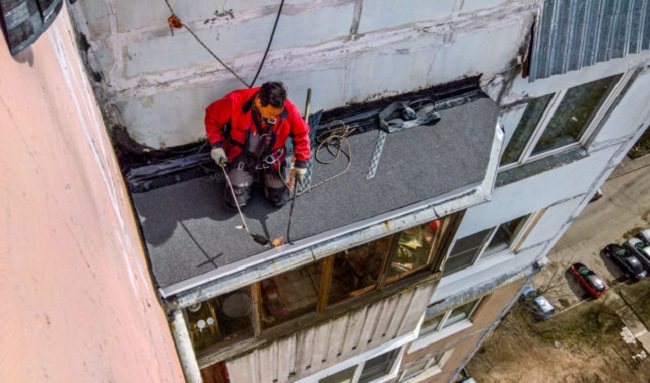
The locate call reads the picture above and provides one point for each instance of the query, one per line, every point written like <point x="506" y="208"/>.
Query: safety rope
<point x="176" y="23"/>
<point x="332" y="140"/>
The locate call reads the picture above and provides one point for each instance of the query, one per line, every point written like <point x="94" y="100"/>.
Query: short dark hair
<point x="273" y="93"/>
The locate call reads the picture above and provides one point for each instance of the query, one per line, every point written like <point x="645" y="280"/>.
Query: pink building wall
<point x="78" y="303"/>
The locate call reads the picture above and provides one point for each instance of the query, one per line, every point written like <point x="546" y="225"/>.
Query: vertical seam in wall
<point x="356" y="18"/>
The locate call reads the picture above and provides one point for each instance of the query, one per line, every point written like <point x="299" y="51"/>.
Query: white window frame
<point x="441" y="332"/>
<point x="549" y="112"/>
<point x="518" y="234"/>
<point x="441" y="325"/>
<point x="481" y="253"/>
<point x="429" y="370"/>
<point x="392" y="372"/>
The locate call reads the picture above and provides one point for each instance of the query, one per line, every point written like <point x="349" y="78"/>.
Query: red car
<point x="588" y="280"/>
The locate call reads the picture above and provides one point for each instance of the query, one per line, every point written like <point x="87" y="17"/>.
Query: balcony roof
<point x="191" y="236"/>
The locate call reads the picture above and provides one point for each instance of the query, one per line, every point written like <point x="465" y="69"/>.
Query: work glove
<point x="219" y="156"/>
<point x="300" y="174"/>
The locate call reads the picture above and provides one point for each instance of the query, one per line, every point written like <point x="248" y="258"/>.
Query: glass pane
<point x="436" y="359"/>
<point x="471" y="242"/>
<point x="344" y="376"/>
<point x="413" y="249"/>
<point x="291" y="294"/>
<point x="430" y="324"/>
<point x="464" y="252"/>
<point x="414" y="369"/>
<point x="574" y="114"/>
<point x="525" y="128"/>
<point x="223" y="318"/>
<point x="356" y="270"/>
<point x="378" y="366"/>
<point x="460" y="313"/>
<point x="503" y="237"/>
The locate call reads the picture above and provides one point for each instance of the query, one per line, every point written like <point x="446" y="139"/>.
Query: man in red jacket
<point x="248" y="129"/>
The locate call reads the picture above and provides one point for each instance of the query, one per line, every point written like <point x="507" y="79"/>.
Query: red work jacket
<point x="236" y="107"/>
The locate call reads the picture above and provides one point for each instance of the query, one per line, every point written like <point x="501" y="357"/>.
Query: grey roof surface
<point x="573" y="34"/>
<point x="188" y="232"/>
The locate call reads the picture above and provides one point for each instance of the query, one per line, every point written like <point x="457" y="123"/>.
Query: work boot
<point x="274" y="190"/>
<point x="242" y="181"/>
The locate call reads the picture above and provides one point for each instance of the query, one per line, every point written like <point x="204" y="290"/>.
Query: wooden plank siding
<point x="310" y="350"/>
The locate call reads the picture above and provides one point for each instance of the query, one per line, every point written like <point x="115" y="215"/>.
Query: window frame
<point x="441" y="324"/>
<point x="392" y="369"/>
<point x="553" y="104"/>
<point x="431" y="368"/>
<point x="517" y="235"/>
<point x="522" y="229"/>
<point x="326" y="309"/>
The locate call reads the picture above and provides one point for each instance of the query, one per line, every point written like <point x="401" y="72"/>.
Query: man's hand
<point x="219" y="156"/>
<point x="300" y="174"/>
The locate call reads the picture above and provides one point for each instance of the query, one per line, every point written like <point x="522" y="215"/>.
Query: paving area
<point x="622" y="212"/>
<point x="604" y="340"/>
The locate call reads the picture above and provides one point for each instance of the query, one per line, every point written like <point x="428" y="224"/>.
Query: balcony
<point x="424" y="173"/>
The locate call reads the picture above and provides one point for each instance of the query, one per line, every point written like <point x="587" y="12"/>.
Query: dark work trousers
<point x="257" y="162"/>
<point x="242" y="179"/>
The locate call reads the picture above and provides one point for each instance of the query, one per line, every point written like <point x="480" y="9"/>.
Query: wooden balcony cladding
<point x="307" y="351"/>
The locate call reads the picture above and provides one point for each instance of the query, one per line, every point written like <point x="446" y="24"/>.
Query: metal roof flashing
<point x="196" y="253"/>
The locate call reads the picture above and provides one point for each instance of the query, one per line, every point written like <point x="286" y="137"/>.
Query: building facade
<point x="405" y="254"/>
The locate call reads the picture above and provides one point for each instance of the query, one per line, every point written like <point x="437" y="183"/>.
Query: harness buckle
<point x="273" y="157"/>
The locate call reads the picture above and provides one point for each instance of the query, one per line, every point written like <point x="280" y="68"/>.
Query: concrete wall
<point x="346" y="50"/>
<point x="79" y="304"/>
<point x="563" y="191"/>
<point x="463" y="342"/>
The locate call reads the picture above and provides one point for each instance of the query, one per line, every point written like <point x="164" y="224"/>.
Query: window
<point x="465" y="251"/>
<point x="483" y="244"/>
<point x="365" y="268"/>
<point x="460" y="313"/>
<point x="345" y="376"/>
<point x="504" y="236"/>
<point x="290" y="294"/>
<point x="557" y="121"/>
<point x="378" y="366"/>
<point x="436" y="322"/>
<point x="426" y="367"/>
<point x="224" y="318"/>
<point x="432" y="323"/>
<point x="529" y="121"/>
<point x="357" y="270"/>
<point x="315" y="287"/>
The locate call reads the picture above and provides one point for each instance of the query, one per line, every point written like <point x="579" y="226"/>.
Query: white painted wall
<point x="534" y="193"/>
<point x="564" y="191"/>
<point x="345" y="50"/>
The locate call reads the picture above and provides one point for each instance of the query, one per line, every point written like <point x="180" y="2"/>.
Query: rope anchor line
<point x="175" y="22"/>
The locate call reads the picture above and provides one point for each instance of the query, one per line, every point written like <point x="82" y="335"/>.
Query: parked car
<point x="626" y="261"/>
<point x="640" y="250"/>
<point x="589" y="281"/>
<point x="537" y="304"/>
<point x="644" y="235"/>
